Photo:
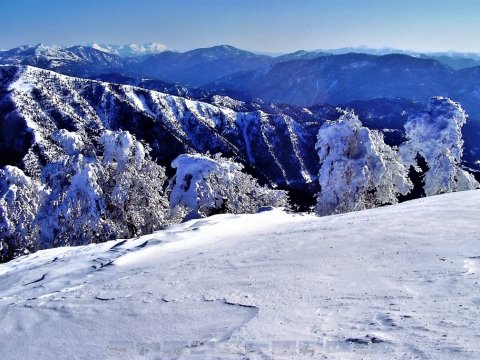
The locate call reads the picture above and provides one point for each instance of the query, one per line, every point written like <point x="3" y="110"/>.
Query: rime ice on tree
<point x="357" y="169"/>
<point x="205" y="185"/>
<point x="436" y="136"/>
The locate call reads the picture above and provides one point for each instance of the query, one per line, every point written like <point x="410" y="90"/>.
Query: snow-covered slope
<point x="37" y="102"/>
<point x="301" y="78"/>
<point x="395" y="282"/>
<point x="275" y="143"/>
<point x="76" y="60"/>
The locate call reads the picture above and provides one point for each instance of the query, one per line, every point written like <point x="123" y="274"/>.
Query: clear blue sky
<point x="260" y="25"/>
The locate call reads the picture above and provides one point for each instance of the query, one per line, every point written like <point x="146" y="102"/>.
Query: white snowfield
<point x="396" y="282"/>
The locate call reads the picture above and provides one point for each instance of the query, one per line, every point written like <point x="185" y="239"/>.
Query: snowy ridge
<point x="79" y="60"/>
<point x="301" y="78"/>
<point x="131" y="49"/>
<point x="372" y="283"/>
<point x="49" y="101"/>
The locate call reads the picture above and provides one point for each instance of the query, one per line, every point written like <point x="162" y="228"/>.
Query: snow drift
<point x="393" y="282"/>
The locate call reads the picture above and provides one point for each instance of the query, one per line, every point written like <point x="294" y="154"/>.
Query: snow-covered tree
<point x="208" y="185"/>
<point x="133" y="185"/>
<point x="436" y="136"/>
<point x="74" y="211"/>
<point x="118" y="192"/>
<point x="20" y="199"/>
<point x="357" y="169"/>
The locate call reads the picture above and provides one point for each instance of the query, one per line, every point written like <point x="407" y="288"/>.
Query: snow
<point x="19" y="201"/>
<point x="195" y="124"/>
<point x="100" y="47"/>
<point x="21" y="85"/>
<point x="70" y="142"/>
<point x="472" y="264"/>
<point x="131" y="49"/>
<point x="14" y="176"/>
<point x="138" y="100"/>
<point x="191" y="172"/>
<point x="394" y="282"/>
<point x="243" y="123"/>
<point x="358" y="170"/>
<point x="205" y="185"/>
<point x="226" y="102"/>
<point x="47" y="50"/>
<point x="436" y="135"/>
<point x="119" y="147"/>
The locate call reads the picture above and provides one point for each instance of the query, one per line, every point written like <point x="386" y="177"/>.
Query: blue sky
<point x="259" y="25"/>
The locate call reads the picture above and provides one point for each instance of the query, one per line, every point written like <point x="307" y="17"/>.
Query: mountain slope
<point x="343" y="78"/>
<point x="275" y="143"/>
<point x="300" y="79"/>
<point x="200" y="66"/>
<point x="37" y="102"/>
<point x="377" y="284"/>
<point x="456" y="60"/>
<point x="76" y="60"/>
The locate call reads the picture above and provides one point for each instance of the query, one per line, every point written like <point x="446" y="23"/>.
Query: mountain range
<point x="301" y="78"/>
<point x="456" y="60"/>
<point x="105" y="142"/>
<point x="275" y="142"/>
<point x="263" y="111"/>
<point x="130" y="49"/>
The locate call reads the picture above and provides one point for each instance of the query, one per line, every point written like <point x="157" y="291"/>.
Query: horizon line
<point x="354" y="48"/>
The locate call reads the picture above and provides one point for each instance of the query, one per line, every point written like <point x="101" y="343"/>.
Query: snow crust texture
<point x="394" y="282"/>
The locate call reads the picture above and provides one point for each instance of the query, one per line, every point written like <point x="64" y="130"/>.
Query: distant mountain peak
<point x="38" y="49"/>
<point x="130" y="49"/>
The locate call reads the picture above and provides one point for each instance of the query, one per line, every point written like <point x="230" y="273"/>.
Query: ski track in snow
<point x="396" y="282"/>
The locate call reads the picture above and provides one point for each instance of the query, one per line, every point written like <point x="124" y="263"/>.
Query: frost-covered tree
<point x="436" y="136"/>
<point x="206" y="185"/>
<point x="74" y="211"/>
<point x="118" y="192"/>
<point x="133" y="185"/>
<point x="20" y="199"/>
<point x="357" y="169"/>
